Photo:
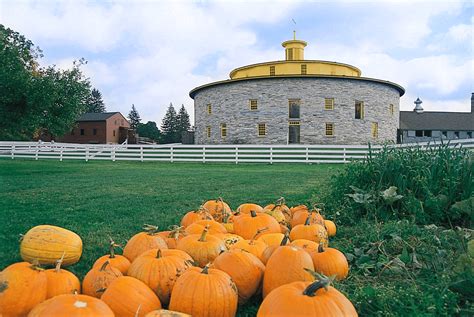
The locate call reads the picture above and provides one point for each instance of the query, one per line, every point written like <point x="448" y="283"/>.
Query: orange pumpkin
<point x="246" y="208"/>
<point x="306" y="299"/>
<point x="72" y="305"/>
<point x="247" y="226"/>
<point x="330" y="261"/>
<point x="60" y="281"/>
<point x="298" y="208"/>
<point x="218" y="209"/>
<point x="253" y="246"/>
<point x="205" y="292"/>
<point x="306" y="245"/>
<point x="22" y="287"/>
<point x="117" y="261"/>
<point x="166" y="313"/>
<point x="271" y="248"/>
<point x="229" y="238"/>
<point x="172" y="236"/>
<point x="312" y="232"/>
<point x="245" y="269"/>
<point x="169" y="252"/>
<point x="279" y="210"/>
<point x="287" y="264"/>
<point x="300" y="216"/>
<point x="198" y="226"/>
<point x="193" y="216"/>
<point x="159" y="272"/>
<point x="98" y="279"/>
<point x="330" y="227"/>
<point x="272" y="238"/>
<point x="127" y="296"/>
<point x="144" y="241"/>
<point x="203" y="248"/>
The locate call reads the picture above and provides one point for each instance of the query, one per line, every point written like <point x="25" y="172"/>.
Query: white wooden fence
<point x="198" y="153"/>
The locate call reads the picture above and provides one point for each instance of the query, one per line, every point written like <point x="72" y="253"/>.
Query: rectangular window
<point x="469" y="134"/>
<point x="94" y="131"/>
<point x="294" y="132"/>
<point x="359" y="110"/>
<point x="209" y="108"/>
<point x="427" y="133"/>
<point x="391" y="109"/>
<point x="329" y="129"/>
<point x="456" y="134"/>
<point x="262" y="129"/>
<point x="223" y="130"/>
<point x="290" y="54"/>
<point x="375" y="130"/>
<point x="444" y="133"/>
<point x="82" y="132"/>
<point x="208" y="131"/>
<point x="303" y="69"/>
<point x="419" y="133"/>
<point x="294" y="108"/>
<point x="272" y="70"/>
<point x="329" y="104"/>
<point x="253" y="104"/>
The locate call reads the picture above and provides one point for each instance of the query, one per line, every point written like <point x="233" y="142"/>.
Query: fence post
<point x="61" y="154"/>
<point x="13" y="150"/>
<point x="141" y="153"/>
<point x="113" y="154"/>
<point x="171" y="154"/>
<point x="271" y="155"/>
<point x="236" y="155"/>
<point x="87" y="154"/>
<point x="204" y="154"/>
<point x="344" y="154"/>
<point x="36" y="154"/>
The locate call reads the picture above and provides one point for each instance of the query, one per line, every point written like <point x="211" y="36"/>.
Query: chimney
<point x="418" y="107"/>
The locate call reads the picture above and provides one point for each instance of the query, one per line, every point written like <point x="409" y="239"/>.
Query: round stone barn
<point x="296" y="101"/>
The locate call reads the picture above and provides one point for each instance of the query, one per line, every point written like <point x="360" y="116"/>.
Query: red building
<point x="92" y="128"/>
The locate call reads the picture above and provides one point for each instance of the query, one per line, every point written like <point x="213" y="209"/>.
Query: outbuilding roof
<point x="411" y="120"/>
<point x="93" y="116"/>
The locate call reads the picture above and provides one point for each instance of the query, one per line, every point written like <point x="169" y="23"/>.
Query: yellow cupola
<point x="294" y="49"/>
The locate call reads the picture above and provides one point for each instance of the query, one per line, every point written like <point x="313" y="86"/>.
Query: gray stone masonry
<point x="230" y="104"/>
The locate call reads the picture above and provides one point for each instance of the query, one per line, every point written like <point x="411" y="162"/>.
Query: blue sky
<point x="151" y="53"/>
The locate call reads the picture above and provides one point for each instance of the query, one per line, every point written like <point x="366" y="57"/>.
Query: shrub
<point x="419" y="184"/>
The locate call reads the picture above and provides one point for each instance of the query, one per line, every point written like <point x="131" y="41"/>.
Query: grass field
<point x="397" y="268"/>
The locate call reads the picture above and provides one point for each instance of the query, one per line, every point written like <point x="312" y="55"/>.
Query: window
<point x="294" y="132"/>
<point x="115" y="122"/>
<point x="419" y="133"/>
<point x="114" y="133"/>
<point x="272" y="70"/>
<point x="223" y="130"/>
<point x="94" y="131"/>
<point x="294" y="108"/>
<point x="209" y="108"/>
<point x="208" y="131"/>
<point x="444" y="133"/>
<point x="329" y="104"/>
<point x="303" y="69"/>
<point x="329" y="129"/>
<point x="375" y="130"/>
<point x="427" y="133"/>
<point x="290" y="54"/>
<point x="391" y="109"/>
<point x="253" y="104"/>
<point x="456" y="134"/>
<point x="411" y="133"/>
<point x="82" y="132"/>
<point x="469" y="134"/>
<point x="359" y="110"/>
<point x="262" y="129"/>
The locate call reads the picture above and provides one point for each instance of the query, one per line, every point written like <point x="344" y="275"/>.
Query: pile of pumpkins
<point x="213" y="261"/>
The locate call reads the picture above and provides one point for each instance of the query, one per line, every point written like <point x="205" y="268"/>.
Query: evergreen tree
<point x="169" y="126"/>
<point x="149" y="130"/>
<point x="134" y="117"/>
<point x="183" y="121"/>
<point x="95" y="102"/>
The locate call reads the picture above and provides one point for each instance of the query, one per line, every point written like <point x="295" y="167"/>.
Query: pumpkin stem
<point x="35" y="265"/>
<point x="284" y="241"/>
<point x="259" y="231"/>
<point x="321" y="247"/>
<point x="204" y="233"/>
<point x="308" y="219"/>
<point x="158" y="254"/>
<point x="59" y="262"/>
<point x="102" y="268"/>
<point x="316" y="285"/>
<point x="253" y="213"/>
<point x="112" y="246"/>
<point x="205" y="270"/>
<point x="150" y="229"/>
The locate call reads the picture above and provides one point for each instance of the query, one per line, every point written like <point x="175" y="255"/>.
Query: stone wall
<point x="230" y="104"/>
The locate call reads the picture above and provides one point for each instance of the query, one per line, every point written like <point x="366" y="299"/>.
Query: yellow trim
<point x="223" y="130"/>
<point x="208" y="131"/>
<point x="261" y="127"/>
<point x="375" y="130"/>
<point x="253" y="104"/>
<point x="329" y="129"/>
<point x="328" y="103"/>
<point x="362" y="109"/>
<point x="209" y="108"/>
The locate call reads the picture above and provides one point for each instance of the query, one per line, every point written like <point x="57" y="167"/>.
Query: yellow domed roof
<point x="295" y="64"/>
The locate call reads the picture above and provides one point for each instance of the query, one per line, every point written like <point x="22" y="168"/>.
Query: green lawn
<point x="397" y="268"/>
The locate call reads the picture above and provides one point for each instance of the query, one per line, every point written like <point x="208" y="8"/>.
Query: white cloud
<point x="461" y="33"/>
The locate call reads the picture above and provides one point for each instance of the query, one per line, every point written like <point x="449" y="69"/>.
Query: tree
<point x="95" y="102"/>
<point x="33" y="98"/>
<point x="183" y="121"/>
<point x="169" y="126"/>
<point x="149" y="130"/>
<point x="134" y="117"/>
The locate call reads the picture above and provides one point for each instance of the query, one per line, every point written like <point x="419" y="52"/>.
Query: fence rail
<point x="200" y="153"/>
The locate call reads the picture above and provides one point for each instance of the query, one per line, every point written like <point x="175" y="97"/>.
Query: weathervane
<point x="294" y="31"/>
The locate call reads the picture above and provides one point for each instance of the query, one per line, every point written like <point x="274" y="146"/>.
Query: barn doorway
<point x="294" y="132"/>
